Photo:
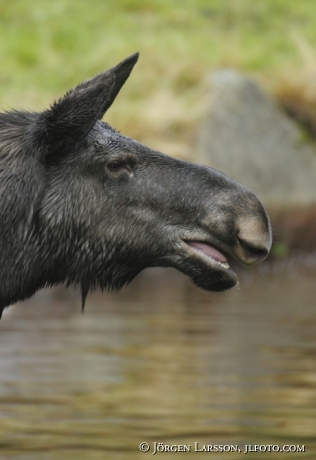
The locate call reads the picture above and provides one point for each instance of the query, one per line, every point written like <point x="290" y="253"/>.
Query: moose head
<point x="82" y="204"/>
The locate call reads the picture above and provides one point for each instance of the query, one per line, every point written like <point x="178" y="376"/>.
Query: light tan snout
<point x="254" y="239"/>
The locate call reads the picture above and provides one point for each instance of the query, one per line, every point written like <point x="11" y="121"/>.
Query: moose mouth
<point x="207" y="266"/>
<point x="210" y="252"/>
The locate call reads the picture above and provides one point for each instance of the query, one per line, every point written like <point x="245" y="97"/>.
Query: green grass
<point x="47" y="46"/>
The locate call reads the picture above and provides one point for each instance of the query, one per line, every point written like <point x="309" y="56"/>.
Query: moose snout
<point x="254" y="240"/>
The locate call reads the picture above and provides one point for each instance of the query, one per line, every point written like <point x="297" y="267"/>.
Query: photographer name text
<point x="159" y="447"/>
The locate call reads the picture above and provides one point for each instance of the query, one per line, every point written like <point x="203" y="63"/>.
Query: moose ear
<point x="71" y="118"/>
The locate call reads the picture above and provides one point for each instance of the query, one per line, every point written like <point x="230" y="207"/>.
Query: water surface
<point x="163" y="361"/>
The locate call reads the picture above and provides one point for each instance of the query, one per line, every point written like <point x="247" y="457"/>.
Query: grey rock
<point x="248" y="137"/>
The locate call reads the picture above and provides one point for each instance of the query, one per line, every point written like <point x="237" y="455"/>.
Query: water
<point x="163" y="362"/>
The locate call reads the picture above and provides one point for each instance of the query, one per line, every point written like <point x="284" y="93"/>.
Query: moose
<point x="84" y="205"/>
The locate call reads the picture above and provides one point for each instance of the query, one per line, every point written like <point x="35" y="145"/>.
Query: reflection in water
<point x="162" y="361"/>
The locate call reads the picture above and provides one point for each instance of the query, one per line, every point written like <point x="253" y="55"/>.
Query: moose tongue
<point x="210" y="251"/>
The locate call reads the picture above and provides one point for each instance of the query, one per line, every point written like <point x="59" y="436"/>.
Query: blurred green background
<point x="49" y="46"/>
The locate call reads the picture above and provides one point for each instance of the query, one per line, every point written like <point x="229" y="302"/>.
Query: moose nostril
<point x="253" y="250"/>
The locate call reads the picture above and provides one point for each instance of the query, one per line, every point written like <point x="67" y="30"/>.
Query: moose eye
<point x="115" y="166"/>
<point x="119" y="167"/>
